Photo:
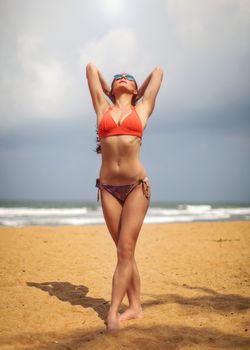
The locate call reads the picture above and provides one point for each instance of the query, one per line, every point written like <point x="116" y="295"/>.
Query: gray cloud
<point x="46" y="114"/>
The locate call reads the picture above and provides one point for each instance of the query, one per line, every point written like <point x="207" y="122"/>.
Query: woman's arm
<point x="150" y="88"/>
<point x="97" y="87"/>
<point x="142" y="88"/>
<point x="105" y="87"/>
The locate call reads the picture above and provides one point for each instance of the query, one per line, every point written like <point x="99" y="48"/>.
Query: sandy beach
<point x="195" y="287"/>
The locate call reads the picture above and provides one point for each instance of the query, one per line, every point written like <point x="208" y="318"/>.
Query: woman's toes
<point x="131" y="314"/>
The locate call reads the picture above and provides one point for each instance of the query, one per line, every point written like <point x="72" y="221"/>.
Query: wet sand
<point x="195" y="287"/>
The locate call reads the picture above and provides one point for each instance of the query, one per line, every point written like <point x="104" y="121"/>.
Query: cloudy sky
<point x="197" y="142"/>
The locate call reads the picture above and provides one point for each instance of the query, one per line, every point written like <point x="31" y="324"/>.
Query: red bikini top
<point x="131" y="125"/>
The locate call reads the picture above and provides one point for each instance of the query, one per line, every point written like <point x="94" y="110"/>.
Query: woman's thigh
<point x="112" y="213"/>
<point x="132" y="217"/>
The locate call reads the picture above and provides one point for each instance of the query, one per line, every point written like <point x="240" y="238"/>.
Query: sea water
<point x="63" y="213"/>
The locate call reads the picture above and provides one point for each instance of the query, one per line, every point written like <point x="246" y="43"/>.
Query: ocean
<point x="53" y="213"/>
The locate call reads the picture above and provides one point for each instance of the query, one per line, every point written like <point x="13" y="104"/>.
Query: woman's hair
<point x="98" y="145"/>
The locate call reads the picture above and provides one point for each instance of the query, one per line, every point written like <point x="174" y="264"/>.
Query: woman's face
<point x="123" y="84"/>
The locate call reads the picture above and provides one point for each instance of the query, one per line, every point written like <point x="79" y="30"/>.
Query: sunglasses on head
<point x="126" y="76"/>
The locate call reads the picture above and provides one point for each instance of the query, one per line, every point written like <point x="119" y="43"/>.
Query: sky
<point x="196" y="144"/>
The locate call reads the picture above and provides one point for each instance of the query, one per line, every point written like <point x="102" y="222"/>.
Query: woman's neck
<point x="123" y="101"/>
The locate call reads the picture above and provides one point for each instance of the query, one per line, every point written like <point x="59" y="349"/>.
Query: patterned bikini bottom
<point x="121" y="192"/>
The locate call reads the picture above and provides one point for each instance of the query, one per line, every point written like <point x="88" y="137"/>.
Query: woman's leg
<point x="134" y="309"/>
<point x="112" y="210"/>
<point x="132" y="217"/>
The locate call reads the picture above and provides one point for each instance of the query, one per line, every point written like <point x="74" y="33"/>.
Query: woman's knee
<point x="125" y="251"/>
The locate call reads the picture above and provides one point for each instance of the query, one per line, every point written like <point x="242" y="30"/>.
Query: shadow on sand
<point x="131" y="337"/>
<point x="136" y="336"/>
<point x="213" y="301"/>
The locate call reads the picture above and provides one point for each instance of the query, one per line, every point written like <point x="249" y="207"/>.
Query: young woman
<point x="123" y="183"/>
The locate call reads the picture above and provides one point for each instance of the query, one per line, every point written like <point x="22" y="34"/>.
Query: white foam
<point x="195" y="208"/>
<point x="42" y="211"/>
<point x="56" y="222"/>
<point x="87" y="216"/>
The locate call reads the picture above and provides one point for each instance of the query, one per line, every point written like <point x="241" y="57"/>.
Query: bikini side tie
<point x="97" y="185"/>
<point x="145" y="187"/>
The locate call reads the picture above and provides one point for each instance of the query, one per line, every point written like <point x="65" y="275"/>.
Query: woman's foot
<point x="131" y="313"/>
<point x="112" y="322"/>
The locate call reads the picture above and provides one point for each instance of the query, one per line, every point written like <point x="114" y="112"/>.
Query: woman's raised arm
<point x="149" y="89"/>
<point x="97" y="87"/>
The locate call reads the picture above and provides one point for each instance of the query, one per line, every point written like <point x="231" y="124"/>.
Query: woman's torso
<point x="121" y="153"/>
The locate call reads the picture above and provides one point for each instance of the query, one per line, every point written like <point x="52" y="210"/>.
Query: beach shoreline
<point x="56" y="287"/>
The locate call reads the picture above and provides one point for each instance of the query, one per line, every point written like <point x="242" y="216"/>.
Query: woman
<point x="123" y="183"/>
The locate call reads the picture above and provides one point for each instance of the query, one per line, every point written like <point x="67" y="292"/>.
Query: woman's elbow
<point x="159" y="69"/>
<point x="90" y="66"/>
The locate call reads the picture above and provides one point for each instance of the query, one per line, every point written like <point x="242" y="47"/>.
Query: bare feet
<point x="112" y="322"/>
<point x="131" y="313"/>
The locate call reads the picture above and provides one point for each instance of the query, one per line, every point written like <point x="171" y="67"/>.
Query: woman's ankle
<point x="135" y="307"/>
<point x="113" y="312"/>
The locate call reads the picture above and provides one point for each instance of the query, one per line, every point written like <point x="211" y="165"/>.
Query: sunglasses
<point x="126" y="76"/>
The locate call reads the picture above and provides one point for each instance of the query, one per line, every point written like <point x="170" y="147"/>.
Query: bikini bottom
<point x="121" y="192"/>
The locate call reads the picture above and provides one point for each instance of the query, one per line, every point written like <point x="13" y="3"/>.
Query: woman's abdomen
<point x="121" y="172"/>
